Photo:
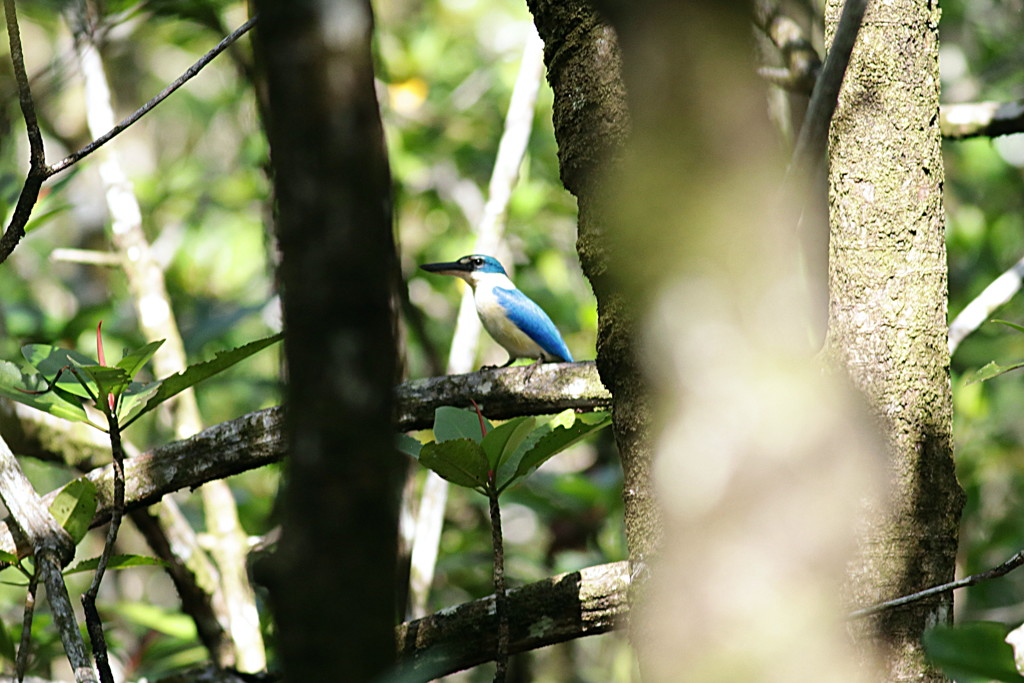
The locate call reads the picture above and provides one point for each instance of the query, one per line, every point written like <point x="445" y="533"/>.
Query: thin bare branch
<point x="148" y="106"/>
<point x="52" y="547"/>
<point x="981" y="119"/>
<point x="995" y="295"/>
<point x="810" y="143"/>
<point x="1002" y="570"/>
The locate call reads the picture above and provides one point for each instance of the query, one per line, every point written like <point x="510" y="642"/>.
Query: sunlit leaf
<point x="460" y="461"/>
<point x="503" y="441"/>
<point x="1019" y="328"/>
<point x="992" y="369"/>
<point x="53" y="360"/>
<point x="117" y="562"/>
<point x="74" y="507"/>
<point x="133" y="361"/>
<point x="193" y="374"/>
<point x="57" y="402"/>
<point x="557" y="440"/>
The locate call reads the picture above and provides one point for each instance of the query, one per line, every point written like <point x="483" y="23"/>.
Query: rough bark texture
<point x="557" y="609"/>
<point x="888" y="313"/>
<point x="592" y="122"/>
<point x="332" y="578"/>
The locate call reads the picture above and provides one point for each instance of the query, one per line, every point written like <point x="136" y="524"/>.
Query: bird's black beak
<point x="448" y="268"/>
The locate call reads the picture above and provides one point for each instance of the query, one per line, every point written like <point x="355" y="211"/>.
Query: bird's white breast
<point x="493" y="316"/>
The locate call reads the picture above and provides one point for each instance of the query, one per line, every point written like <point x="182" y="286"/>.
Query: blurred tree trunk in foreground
<point x="888" y="314"/>
<point x="764" y="467"/>
<point x="332" y="578"/>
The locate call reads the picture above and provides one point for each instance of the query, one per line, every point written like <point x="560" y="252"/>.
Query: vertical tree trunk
<point x="887" y="319"/>
<point x="591" y="122"/>
<point x="332" y="579"/>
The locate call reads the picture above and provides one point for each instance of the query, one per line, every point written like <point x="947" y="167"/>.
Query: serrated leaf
<point x="502" y="441"/>
<point x="56" y="402"/>
<point x="116" y="562"/>
<point x="992" y="369"/>
<point x="460" y="461"/>
<point x="458" y="423"/>
<point x="133" y="361"/>
<point x="50" y="360"/>
<point x="193" y="374"/>
<point x="550" y="444"/>
<point x="74" y="507"/>
<point x="972" y="650"/>
<point x="408" y="445"/>
<point x="1019" y="328"/>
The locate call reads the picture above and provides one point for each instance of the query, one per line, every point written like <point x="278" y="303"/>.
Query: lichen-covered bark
<point x="592" y="122"/>
<point x="887" y="319"/>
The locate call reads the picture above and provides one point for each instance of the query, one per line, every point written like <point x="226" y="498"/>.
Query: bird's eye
<point x="478" y="262"/>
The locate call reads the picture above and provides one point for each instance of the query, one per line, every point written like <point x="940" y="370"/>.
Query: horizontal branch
<point x="536" y="389"/>
<point x="557" y="609"/>
<point x="981" y="119"/>
<point x="256" y="439"/>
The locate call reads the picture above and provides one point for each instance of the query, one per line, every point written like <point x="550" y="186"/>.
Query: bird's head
<point x="470" y="268"/>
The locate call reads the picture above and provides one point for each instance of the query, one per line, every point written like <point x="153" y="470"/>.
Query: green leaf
<point x="134" y="360"/>
<point x="116" y="562"/>
<point x="992" y="369"/>
<point x="972" y="651"/>
<point x="193" y="374"/>
<point x="7" y="557"/>
<point x="457" y="423"/>
<point x="74" y="507"/>
<point x="160" y="619"/>
<point x="460" y="461"/>
<point x="6" y="643"/>
<point x="134" y="400"/>
<point x="107" y="381"/>
<point x="14" y="384"/>
<point x="50" y="360"/>
<point x="1019" y="328"/>
<point x="408" y="445"/>
<point x="502" y="441"/>
<point x="553" y="442"/>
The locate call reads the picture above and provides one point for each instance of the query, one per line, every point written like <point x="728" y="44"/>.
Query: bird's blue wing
<point x="531" y="319"/>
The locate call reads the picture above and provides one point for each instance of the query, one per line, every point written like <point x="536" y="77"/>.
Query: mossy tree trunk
<point x="591" y="121"/>
<point x="887" y="321"/>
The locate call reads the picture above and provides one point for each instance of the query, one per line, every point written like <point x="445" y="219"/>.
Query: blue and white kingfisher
<point x="511" y="318"/>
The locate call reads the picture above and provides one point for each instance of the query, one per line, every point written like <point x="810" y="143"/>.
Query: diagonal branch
<point x="255" y="440"/>
<point x="38" y="170"/>
<point x="52" y="547"/>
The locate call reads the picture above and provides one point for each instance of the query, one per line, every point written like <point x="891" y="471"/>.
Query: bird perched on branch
<point x="508" y="315"/>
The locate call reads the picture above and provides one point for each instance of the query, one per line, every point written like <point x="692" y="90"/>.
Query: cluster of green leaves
<point x="471" y="452"/>
<point x="66" y="381"/>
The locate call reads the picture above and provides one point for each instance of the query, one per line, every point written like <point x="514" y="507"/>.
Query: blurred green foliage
<point x="198" y="166"/>
<point x="446" y="69"/>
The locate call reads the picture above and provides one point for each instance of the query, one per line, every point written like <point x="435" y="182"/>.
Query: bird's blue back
<point x="532" y="320"/>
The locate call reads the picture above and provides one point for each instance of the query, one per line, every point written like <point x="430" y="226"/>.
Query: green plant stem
<point x="500" y="597"/>
<point x="92" y="617"/>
